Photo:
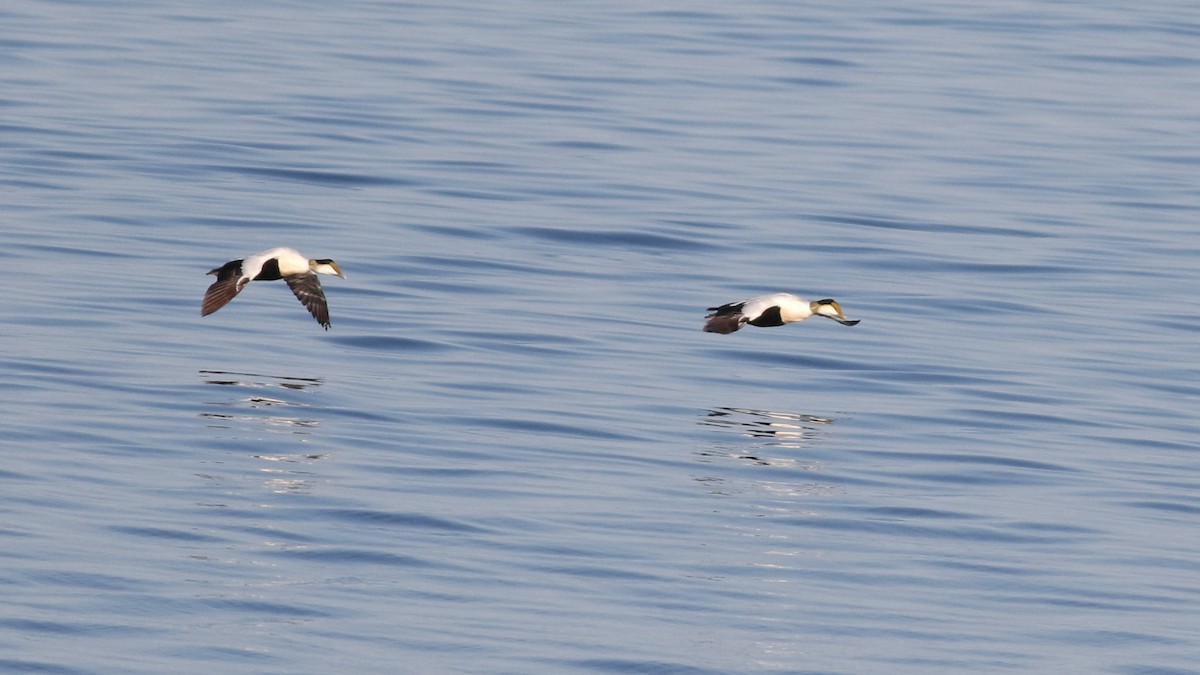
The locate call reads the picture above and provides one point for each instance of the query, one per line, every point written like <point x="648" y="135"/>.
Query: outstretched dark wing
<point x="307" y="289"/>
<point x="724" y="323"/>
<point x="726" y="318"/>
<point x="224" y="288"/>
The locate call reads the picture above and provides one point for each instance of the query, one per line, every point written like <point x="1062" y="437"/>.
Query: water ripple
<point x="405" y="520"/>
<point x="516" y="451"/>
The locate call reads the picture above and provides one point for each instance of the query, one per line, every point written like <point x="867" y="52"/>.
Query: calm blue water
<point x="516" y="451"/>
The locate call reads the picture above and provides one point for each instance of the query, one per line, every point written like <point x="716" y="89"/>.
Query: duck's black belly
<point x="270" y="271"/>
<point x="769" y="317"/>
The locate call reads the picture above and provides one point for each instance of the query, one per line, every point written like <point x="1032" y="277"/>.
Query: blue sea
<point x="516" y="451"/>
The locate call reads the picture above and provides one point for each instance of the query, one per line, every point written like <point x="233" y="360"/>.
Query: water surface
<point x="516" y="451"/>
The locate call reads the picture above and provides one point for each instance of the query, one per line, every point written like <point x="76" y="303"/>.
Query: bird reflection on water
<point x="766" y="438"/>
<point x="774" y="430"/>
<point x="247" y="416"/>
<point x="240" y="380"/>
<point x="252" y="381"/>
<point x="768" y="424"/>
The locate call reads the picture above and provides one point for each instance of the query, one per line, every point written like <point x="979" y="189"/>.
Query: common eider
<point x="774" y="309"/>
<point x="299" y="272"/>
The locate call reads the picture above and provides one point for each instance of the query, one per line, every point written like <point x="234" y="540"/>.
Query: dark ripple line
<point x="474" y="234"/>
<point x="312" y="176"/>
<point x="61" y="627"/>
<point x="809" y="82"/>
<point x="163" y="533"/>
<point x="49" y="627"/>
<point x="914" y="512"/>
<point x="252" y="224"/>
<point x="942" y="228"/>
<point x="1165" y="506"/>
<point x="904" y="529"/>
<point x="402" y="519"/>
<point x="586" y="145"/>
<point x="802" y="362"/>
<point x="599" y="572"/>
<point x="86" y="580"/>
<point x="990" y="460"/>
<point x="262" y="607"/>
<point x="632" y="666"/>
<point x="15" y="666"/>
<point x="568" y="430"/>
<point x="821" y="61"/>
<point x="620" y="239"/>
<point x="344" y="555"/>
<point x="390" y="343"/>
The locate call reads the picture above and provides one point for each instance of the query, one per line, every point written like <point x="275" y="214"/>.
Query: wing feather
<point x="307" y="289"/>
<point x="725" y="318"/>
<point x="724" y="323"/>
<point x="727" y="308"/>
<point x="228" y="284"/>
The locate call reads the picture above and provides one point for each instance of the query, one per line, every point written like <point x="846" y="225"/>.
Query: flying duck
<point x="299" y="272"/>
<point x="774" y="309"/>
